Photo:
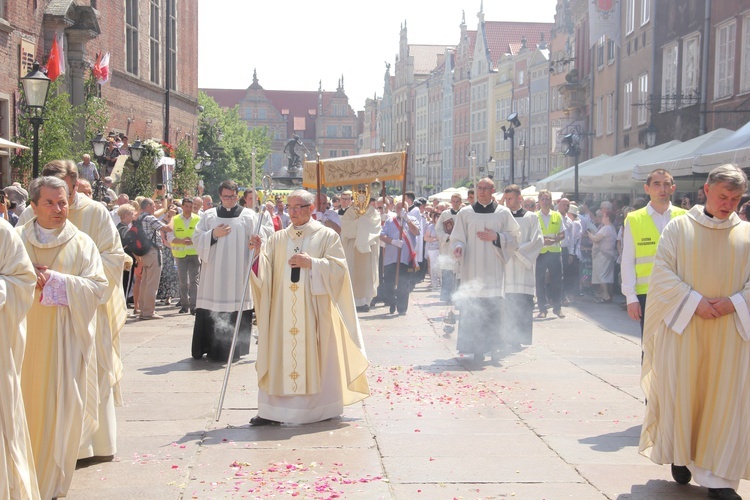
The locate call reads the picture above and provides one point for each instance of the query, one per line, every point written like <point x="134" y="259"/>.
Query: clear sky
<point x="294" y="44"/>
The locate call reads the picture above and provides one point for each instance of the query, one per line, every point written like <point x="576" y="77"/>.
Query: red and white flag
<point x="61" y="50"/>
<point x="54" y="61"/>
<point x="101" y="68"/>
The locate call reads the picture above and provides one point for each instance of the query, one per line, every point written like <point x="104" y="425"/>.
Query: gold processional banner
<point x="352" y="170"/>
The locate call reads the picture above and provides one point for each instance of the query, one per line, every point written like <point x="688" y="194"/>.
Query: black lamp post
<point x="510" y="133"/>
<point x="36" y="89"/>
<point x="572" y="148"/>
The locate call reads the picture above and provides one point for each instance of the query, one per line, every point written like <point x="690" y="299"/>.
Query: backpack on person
<point x="136" y="241"/>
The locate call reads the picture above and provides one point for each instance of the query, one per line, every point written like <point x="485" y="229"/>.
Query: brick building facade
<point x="324" y="121"/>
<point x="146" y="39"/>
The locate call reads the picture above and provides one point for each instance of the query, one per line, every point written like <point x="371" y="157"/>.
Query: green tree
<point x="226" y="138"/>
<point x="137" y="179"/>
<point x="185" y="178"/>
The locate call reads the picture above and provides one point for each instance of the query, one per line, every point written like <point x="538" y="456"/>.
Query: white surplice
<point x="360" y="235"/>
<point x="224" y="264"/>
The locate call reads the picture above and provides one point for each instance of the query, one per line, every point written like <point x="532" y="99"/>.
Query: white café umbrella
<point x="6" y="144"/>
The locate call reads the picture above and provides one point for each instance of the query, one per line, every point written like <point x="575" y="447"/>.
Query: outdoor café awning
<point x="6" y="144"/>
<point x="679" y="160"/>
<point x="732" y="149"/>
<point x="565" y="180"/>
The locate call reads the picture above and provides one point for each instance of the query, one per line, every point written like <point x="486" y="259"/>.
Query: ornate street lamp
<point x="510" y="133"/>
<point x="571" y="147"/>
<point x="650" y="134"/>
<point x="136" y="151"/>
<point x="99" y="145"/>
<point x="36" y="89"/>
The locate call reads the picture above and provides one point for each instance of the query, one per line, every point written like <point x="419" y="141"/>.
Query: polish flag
<point x="61" y="50"/>
<point x="54" y="62"/>
<point x="101" y="68"/>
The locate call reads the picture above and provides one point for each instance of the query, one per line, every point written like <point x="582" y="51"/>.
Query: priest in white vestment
<point x="93" y="219"/>
<point x="311" y="358"/>
<point x="221" y="239"/>
<point x="520" y="273"/>
<point x="483" y="241"/>
<point x="17" y="283"/>
<point x="56" y="378"/>
<point x="448" y="265"/>
<point x="696" y="343"/>
<point x="360" y="235"/>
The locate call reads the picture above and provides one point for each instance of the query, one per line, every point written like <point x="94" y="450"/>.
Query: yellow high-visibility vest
<point x="646" y="239"/>
<point x="181" y="231"/>
<point x="554" y="228"/>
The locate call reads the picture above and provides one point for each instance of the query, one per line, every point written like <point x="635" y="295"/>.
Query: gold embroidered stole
<point x="294" y="360"/>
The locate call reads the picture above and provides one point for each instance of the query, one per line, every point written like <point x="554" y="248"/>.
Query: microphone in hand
<point x="295" y="275"/>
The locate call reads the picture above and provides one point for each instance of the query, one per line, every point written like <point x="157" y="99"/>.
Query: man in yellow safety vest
<point x="641" y="235"/>
<point x="550" y="258"/>
<point x="186" y="256"/>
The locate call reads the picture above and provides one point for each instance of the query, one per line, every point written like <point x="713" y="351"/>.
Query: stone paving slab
<point x="448" y="490"/>
<point x="559" y="419"/>
<point x="478" y="469"/>
<point x="224" y="471"/>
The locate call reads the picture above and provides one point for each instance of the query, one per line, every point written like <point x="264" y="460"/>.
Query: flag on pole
<point x="61" y="50"/>
<point x="101" y="68"/>
<point x="54" y="67"/>
<point x="604" y="19"/>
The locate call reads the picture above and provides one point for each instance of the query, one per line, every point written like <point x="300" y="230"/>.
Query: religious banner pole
<point x="255" y="193"/>
<point x="403" y="219"/>
<point x="236" y="333"/>
<point x="317" y="179"/>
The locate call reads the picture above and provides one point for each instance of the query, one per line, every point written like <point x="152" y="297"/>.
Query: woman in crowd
<point x="432" y="248"/>
<point x="169" y="282"/>
<point x="274" y="216"/>
<point x="126" y="213"/>
<point x="604" y="254"/>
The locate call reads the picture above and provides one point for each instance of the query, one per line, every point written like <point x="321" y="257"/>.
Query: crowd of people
<point x="302" y="268"/>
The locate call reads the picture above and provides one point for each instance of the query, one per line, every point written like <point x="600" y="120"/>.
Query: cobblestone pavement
<point x="559" y="419"/>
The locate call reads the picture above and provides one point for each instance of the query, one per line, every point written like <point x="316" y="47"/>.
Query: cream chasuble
<point x="311" y="358"/>
<point x="483" y="263"/>
<point x="58" y="386"/>
<point x="17" y="283"/>
<point x="696" y="372"/>
<point x="360" y="235"/>
<point x="93" y="219"/>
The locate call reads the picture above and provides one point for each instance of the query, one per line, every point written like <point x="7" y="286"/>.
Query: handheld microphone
<point x="295" y="275"/>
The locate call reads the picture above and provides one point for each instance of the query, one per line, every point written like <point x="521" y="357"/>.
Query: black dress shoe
<point x="192" y="311"/>
<point x="364" y="308"/>
<point x="392" y="309"/>
<point x="681" y="474"/>
<point x="182" y="310"/>
<point x="723" y="494"/>
<point x="257" y="421"/>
